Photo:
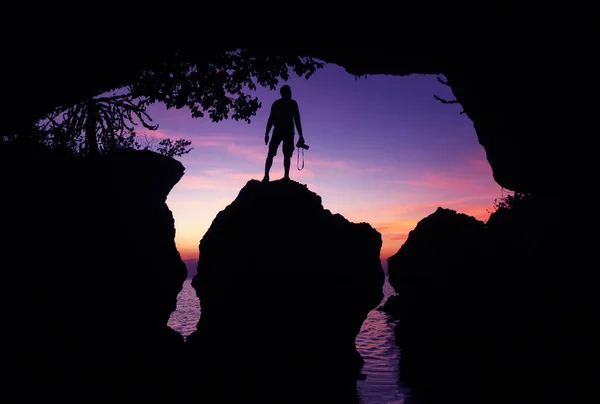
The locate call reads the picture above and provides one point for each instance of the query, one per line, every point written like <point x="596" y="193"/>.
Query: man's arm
<point x="297" y="120"/>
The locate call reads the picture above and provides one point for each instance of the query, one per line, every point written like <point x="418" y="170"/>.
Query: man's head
<point x="285" y="91"/>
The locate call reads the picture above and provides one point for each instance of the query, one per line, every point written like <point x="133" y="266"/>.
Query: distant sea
<point x="376" y="343"/>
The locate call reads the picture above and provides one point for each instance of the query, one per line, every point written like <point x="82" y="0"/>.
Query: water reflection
<point x="376" y="343"/>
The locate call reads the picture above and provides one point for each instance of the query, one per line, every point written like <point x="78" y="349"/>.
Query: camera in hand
<point x="301" y="144"/>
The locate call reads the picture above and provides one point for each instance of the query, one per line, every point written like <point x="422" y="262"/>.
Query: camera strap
<point x="298" y="162"/>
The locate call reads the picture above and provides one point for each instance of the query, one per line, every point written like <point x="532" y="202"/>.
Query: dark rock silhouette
<point x="524" y="87"/>
<point x="433" y="274"/>
<point x="489" y="306"/>
<point x="456" y="240"/>
<point x="276" y="253"/>
<point x="90" y="276"/>
<point x="501" y="67"/>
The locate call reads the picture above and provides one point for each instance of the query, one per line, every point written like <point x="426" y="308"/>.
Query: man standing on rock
<point x="284" y="114"/>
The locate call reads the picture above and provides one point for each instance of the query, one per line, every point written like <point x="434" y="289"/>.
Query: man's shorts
<point x="288" y="144"/>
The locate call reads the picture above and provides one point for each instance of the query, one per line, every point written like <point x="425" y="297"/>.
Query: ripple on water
<point x="187" y="314"/>
<point x="376" y="343"/>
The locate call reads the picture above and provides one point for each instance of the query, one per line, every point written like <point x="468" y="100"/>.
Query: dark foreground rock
<point x="284" y="287"/>
<point x="502" y="311"/>
<point x="90" y="275"/>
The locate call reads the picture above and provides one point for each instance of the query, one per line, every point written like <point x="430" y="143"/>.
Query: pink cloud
<point x="227" y="142"/>
<point x="157" y="134"/>
<point x="331" y="164"/>
<point x="373" y="169"/>
<point x="474" y="175"/>
<point x="480" y="163"/>
<point x="255" y="152"/>
<point x="227" y="179"/>
<point x="217" y="171"/>
<point x="342" y="165"/>
<point x="445" y="181"/>
<point x="252" y="153"/>
<point x="205" y="182"/>
<point x="241" y="176"/>
<point x="214" y="139"/>
<point x="469" y="205"/>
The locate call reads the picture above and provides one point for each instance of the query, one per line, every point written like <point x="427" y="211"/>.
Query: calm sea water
<point x="375" y="343"/>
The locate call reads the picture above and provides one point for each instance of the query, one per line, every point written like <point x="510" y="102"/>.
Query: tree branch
<point x="443" y="101"/>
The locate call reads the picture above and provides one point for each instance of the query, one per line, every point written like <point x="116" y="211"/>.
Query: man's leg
<point x="268" y="164"/>
<point x="287" y="161"/>
<point x="288" y="151"/>
<point x="273" y="145"/>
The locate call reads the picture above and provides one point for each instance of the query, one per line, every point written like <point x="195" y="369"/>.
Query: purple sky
<point x="382" y="150"/>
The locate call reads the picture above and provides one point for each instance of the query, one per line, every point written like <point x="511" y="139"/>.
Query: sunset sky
<point x="383" y="150"/>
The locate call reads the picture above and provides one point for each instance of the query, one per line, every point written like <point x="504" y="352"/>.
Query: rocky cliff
<point x="284" y="287"/>
<point x="90" y="275"/>
<point x="505" y="303"/>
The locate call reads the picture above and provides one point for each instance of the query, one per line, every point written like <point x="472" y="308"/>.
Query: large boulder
<point x="505" y="303"/>
<point x="90" y="276"/>
<point x="437" y="273"/>
<point x="284" y="287"/>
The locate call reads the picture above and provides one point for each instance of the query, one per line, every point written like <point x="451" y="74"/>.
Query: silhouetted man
<point x="284" y="114"/>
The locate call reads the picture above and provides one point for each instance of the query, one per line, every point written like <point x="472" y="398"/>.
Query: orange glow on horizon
<point x="394" y="232"/>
